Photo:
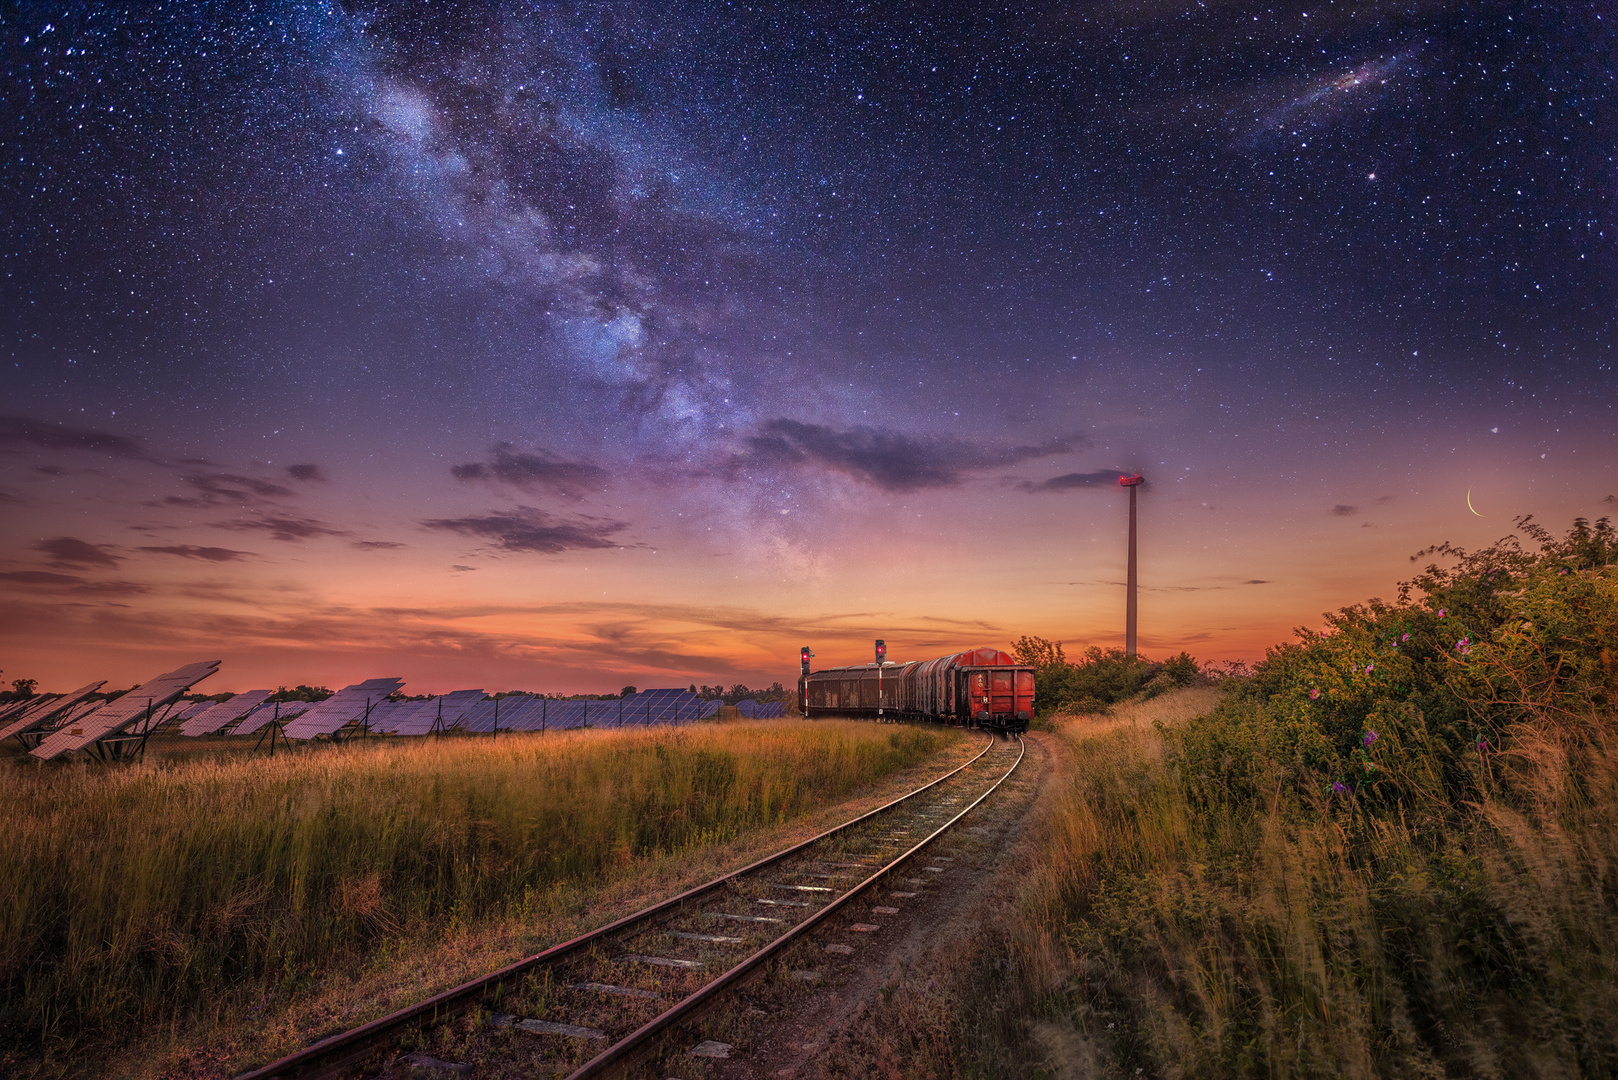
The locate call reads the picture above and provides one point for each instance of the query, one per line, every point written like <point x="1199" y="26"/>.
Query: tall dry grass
<point x="159" y="894"/>
<point x="1174" y="928"/>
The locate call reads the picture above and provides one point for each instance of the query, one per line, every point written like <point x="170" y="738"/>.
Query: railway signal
<point x="881" y="650"/>
<point x="804" y="656"/>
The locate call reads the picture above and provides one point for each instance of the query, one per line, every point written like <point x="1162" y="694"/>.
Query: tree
<point x="627" y="691"/>
<point x="23" y="688"/>
<point x="1038" y="653"/>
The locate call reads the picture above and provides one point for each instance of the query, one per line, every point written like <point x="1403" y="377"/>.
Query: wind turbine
<point x="1131" y="482"/>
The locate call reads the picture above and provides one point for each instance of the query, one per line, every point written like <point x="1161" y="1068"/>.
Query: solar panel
<point x="216" y="716"/>
<point x="386" y="716"/>
<point x="344" y="707"/>
<point x="140" y="704"/>
<point x="440" y="713"/>
<point x="269" y="711"/>
<point x="481" y="716"/>
<point x="39" y="712"/>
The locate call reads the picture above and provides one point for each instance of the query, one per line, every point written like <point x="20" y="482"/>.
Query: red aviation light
<point x="1132" y="481"/>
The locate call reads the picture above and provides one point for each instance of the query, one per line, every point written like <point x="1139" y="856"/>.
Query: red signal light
<point x="881" y="650"/>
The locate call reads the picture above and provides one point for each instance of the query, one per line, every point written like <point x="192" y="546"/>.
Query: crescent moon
<point x="1469" y="502"/>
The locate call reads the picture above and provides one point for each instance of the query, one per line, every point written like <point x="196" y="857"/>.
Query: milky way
<point x="757" y="291"/>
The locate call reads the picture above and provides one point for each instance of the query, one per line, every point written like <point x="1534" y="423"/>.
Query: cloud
<point x="206" y="554"/>
<point x="890" y="460"/>
<point x="22" y="432"/>
<point x="528" y="529"/>
<point x="306" y="472"/>
<point x="44" y="579"/>
<point x="1255" y="581"/>
<point x="282" y="528"/>
<point x="1069" y="481"/>
<point x="531" y="471"/>
<point x="1344" y="510"/>
<point x="459" y="567"/>
<point x="72" y="552"/>
<point x="217" y="488"/>
<point x="376" y="545"/>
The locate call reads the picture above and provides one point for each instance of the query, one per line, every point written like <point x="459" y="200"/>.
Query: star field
<point x="683" y="307"/>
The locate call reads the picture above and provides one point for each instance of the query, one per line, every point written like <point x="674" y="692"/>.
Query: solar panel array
<point x="668" y="706"/>
<point x="36" y="712"/>
<point x="762" y="710"/>
<point x="148" y="701"/>
<point x="79" y="724"/>
<point x="216" y="716"/>
<point x="348" y="705"/>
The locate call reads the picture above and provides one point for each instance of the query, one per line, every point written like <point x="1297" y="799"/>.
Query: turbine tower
<point x="1131" y="482"/>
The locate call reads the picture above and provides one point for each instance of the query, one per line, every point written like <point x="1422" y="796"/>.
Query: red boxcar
<point x="978" y="688"/>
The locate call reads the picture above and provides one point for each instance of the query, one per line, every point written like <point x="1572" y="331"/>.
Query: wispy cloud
<point x="69" y="551"/>
<point x="282" y="528"/>
<point x="532" y="471"/>
<point x="26" y="433"/>
<point x="1344" y="510"/>
<point x="222" y="489"/>
<point x="1069" y="481"/>
<point x="529" y="529"/>
<point x="206" y="554"/>
<point x="891" y="460"/>
<point x="306" y="473"/>
<point x="52" y="582"/>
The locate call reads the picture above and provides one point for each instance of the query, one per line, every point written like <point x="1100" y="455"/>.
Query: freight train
<point x="983" y="688"/>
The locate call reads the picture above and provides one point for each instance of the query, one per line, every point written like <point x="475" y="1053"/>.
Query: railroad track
<point x="620" y="996"/>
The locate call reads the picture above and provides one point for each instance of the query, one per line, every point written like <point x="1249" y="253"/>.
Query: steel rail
<point x="616" y="1055"/>
<point x="330" y="1054"/>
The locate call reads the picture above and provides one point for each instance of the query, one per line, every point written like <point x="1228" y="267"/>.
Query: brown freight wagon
<point x="977" y="688"/>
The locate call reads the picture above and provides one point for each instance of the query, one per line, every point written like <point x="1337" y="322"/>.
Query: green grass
<point x="164" y="894"/>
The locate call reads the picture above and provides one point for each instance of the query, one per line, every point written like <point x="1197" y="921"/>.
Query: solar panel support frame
<point x="271" y="730"/>
<point x="117" y="747"/>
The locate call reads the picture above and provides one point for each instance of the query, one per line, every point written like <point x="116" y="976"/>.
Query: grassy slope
<point x="1166" y="933"/>
<point x="182" y="895"/>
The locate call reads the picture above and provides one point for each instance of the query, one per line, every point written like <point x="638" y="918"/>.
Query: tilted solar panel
<point x="440" y="713"/>
<point x="268" y="712"/>
<point x="146" y="702"/>
<point x="457" y="706"/>
<point x="348" y="705"/>
<point x="219" y="716"/>
<point x="41" y="712"/>
<point x="388" y="716"/>
<point x="480" y="717"/>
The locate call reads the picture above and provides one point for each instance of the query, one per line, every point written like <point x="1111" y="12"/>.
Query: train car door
<point x="1002" y="692"/>
<point x="977" y="694"/>
<point x="1025" y="695"/>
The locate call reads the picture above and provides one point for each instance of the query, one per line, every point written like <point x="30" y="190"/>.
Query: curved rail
<point x="618" y="1054"/>
<point x="334" y="1052"/>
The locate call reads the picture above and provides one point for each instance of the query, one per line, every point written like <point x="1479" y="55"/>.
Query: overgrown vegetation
<point x="1391" y="852"/>
<point x="1099" y="678"/>
<point x="163" y="894"/>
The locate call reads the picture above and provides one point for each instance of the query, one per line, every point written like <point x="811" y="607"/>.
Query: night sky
<point x="568" y="346"/>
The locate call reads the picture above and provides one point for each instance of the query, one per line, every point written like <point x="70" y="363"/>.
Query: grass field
<point x="193" y="892"/>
